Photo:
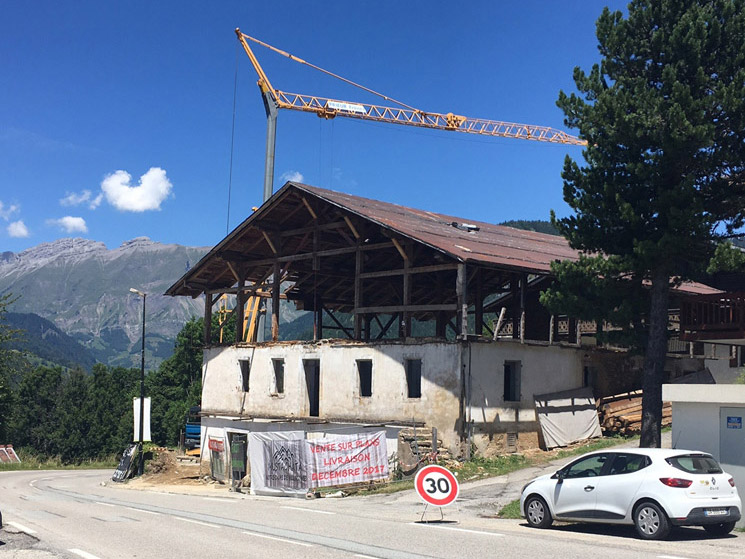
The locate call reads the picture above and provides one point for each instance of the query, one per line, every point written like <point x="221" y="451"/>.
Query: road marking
<point x="142" y="510"/>
<point x="365" y="556"/>
<point x="457" y="529"/>
<point x="83" y="554"/>
<point x="278" y="539"/>
<point x="196" y="522"/>
<point x="307" y="510"/>
<point x="106" y="504"/>
<point x="21" y="527"/>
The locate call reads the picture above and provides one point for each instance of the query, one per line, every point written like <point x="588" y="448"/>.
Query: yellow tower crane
<point x="275" y="99"/>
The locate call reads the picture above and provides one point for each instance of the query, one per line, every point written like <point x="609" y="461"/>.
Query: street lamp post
<point x="141" y="467"/>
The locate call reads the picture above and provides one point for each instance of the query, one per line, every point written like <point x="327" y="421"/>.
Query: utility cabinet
<point x="710" y="418"/>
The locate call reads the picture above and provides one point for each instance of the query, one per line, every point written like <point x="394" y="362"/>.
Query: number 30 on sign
<point x="436" y="485"/>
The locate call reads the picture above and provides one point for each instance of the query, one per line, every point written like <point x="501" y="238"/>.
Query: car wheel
<point x="721" y="529"/>
<point x="537" y="513"/>
<point x="651" y="522"/>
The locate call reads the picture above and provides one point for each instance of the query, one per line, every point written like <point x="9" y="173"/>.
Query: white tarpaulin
<point x="341" y="459"/>
<point x="284" y="463"/>
<point x="567" y="416"/>
<point x="279" y="463"/>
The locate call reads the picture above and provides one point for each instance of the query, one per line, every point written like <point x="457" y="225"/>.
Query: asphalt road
<point x="74" y="514"/>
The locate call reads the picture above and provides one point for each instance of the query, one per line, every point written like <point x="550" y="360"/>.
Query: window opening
<point x="364" y="369"/>
<point x="278" y="387"/>
<point x="414" y="378"/>
<point x="313" y="385"/>
<point x="512" y="381"/>
<point x="245" y="366"/>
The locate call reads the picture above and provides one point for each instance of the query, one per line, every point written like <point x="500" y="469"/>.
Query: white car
<point x="651" y="488"/>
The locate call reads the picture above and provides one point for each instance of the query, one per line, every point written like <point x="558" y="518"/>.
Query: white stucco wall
<point x="542" y="369"/>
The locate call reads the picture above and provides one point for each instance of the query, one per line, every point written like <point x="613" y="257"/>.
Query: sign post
<point x="436" y="486"/>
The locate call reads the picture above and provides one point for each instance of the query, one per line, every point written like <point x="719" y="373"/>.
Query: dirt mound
<point x="169" y="468"/>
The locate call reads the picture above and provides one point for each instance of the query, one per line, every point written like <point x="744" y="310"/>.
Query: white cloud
<point x="96" y="201"/>
<point x="18" y="229"/>
<point x="70" y="224"/>
<point x="73" y="199"/>
<point x="294" y="176"/>
<point x="6" y="213"/>
<point x="153" y="188"/>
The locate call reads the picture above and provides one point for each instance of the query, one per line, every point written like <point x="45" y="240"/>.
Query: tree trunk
<point x="654" y="360"/>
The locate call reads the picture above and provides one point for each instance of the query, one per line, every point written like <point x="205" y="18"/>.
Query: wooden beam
<point x="310" y="209"/>
<point x="400" y="249"/>
<point x="269" y="242"/>
<point x="352" y="228"/>
<point x="310" y="228"/>
<point x="412" y="270"/>
<point x="275" y="302"/>
<point x="394" y="309"/>
<point x="239" y="313"/>
<point x="208" y="319"/>
<point x="346" y="330"/>
<point x="233" y="271"/>
<point x="358" y="262"/>
<point x="462" y="306"/>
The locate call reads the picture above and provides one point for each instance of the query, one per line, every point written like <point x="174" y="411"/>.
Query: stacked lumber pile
<point x="622" y="414"/>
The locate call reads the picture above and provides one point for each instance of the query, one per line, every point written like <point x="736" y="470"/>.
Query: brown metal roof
<point x="494" y="246"/>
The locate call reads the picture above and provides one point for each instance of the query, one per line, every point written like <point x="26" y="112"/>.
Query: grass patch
<point x="32" y="462"/>
<point x="592" y="446"/>
<point x="478" y="468"/>
<point x="511" y="510"/>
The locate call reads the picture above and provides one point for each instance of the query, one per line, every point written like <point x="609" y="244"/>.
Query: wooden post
<point x="240" y="305"/>
<point x="479" y="303"/>
<point x="276" y="287"/>
<point x="462" y="310"/>
<point x="358" y="300"/>
<point x="208" y="318"/>
<point x="516" y="308"/>
<point x="405" y="329"/>
<point x="523" y="296"/>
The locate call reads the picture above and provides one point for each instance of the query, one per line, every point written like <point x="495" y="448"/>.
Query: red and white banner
<point x="342" y="459"/>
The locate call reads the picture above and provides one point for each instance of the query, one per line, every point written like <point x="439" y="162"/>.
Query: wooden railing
<point x="721" y="312"/>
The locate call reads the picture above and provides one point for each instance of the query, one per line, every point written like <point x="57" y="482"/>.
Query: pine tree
<point x="664" y="116"/>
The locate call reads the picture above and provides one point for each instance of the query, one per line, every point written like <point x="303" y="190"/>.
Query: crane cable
<point x="327" y="72"/>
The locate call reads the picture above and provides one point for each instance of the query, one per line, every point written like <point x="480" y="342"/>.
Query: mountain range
<point x="82" y="288"/>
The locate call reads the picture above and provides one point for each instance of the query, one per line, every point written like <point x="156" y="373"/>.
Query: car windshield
<point x="695" y="464"/>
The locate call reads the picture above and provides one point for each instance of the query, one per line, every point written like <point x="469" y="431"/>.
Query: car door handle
<point x="589" y="488"/>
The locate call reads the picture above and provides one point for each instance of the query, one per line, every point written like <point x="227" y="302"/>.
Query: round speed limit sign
<point x="436" y="485"/>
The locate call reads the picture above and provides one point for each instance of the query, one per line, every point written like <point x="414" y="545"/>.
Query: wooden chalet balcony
<point x="713" y="317"/>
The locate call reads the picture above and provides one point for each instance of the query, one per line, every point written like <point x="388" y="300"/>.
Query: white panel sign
<point x="347" y="107"/>
<point x="146" y="426"/>
<point x="341" y="459"/>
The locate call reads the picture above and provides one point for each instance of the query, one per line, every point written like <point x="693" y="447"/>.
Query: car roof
<point x="659" y="453"/>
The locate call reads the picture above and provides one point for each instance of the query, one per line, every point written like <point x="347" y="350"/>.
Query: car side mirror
<point x="558" y="476"/>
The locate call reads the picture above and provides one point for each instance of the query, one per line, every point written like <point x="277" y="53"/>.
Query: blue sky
<point x="115" y="117"/>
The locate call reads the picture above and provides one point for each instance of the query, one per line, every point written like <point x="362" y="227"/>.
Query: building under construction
<point x="419" y="319"/>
